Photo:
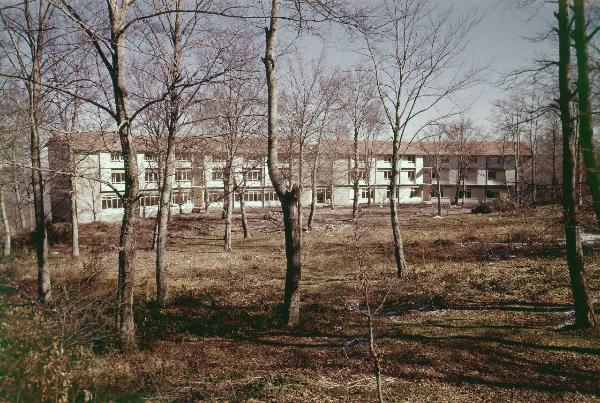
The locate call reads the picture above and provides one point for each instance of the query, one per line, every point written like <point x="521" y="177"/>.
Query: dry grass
<point x="478" y="317"/>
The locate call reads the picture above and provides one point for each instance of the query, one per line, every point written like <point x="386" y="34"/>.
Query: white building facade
<point x="198" y="180"/>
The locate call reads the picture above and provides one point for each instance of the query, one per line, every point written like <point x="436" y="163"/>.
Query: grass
<point x="480" y="316"/>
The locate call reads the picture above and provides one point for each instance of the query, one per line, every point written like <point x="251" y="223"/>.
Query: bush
<point x="494" y="206"/>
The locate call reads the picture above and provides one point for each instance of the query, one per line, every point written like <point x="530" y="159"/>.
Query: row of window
<point x="117" y="176"/>
<point x="405" y="174"/>
<point x="249" y="196"/>
<point x="147" y="200"/>
<point x="150" y="157"/>
<point x="218" y="174"/>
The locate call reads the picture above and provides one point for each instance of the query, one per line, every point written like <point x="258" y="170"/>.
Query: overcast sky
<point x="501" y="40"/>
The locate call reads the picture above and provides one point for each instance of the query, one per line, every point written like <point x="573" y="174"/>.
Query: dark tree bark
<point x="584" y="311"/>
<point x="245" y="226"/>
<point x="592" y="168"/>
<point x="287" y="198"/>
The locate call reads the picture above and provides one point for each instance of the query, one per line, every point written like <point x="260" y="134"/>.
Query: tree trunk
<point x="586" y="133"/>
<point x="18" y="196"/>
<point x="439" y="193"/>
<point x="5" y="224"/>
<point x="162" y="220"/>
<point x="40" y="235"/>
<point x="584" y="311"/>
<point x="228" y="207"/>
<point x="74" y="209"/>
<point x="355" y="178"/>
<point x="401" y="265"/>
<point x="131" y="210"/>
<point x="458" y="178"/>
<point x="331" y="200"/>
<point x="287" y="198"/>
<point x="291" y="300"/>
<point x="245" y="227"/>
<point x="313" y="187"/>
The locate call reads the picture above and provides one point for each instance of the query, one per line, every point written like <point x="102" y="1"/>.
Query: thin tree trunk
<point x="162" y="221"/>
<point x="5" y="224"/>
<point x="401" y="265"/>
<point x="18" y="196"/>
<point x="439" y="193"/>
<point x="356" y="177"/>
<point x="40" y="235"/>
<point x="245" y="226"/>
<point x="228" y="207"/>
<point x="74" y="209"/>
<point x="554" y="169"/>
<point x="287" y="198"/>
<point x="584" y="311"/>
<point x="313" y="187"/>
<point x="586" y="133"/>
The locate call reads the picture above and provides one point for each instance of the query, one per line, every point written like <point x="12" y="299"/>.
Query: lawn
<point x="481" y="315"/>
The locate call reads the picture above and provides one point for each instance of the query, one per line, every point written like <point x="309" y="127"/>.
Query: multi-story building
<point x="201" y="168"/>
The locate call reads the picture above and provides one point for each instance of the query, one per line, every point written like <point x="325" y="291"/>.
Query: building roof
<point x="93" y="142"/>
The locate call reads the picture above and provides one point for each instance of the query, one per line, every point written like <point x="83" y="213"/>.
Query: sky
<point x="501" y="41"/>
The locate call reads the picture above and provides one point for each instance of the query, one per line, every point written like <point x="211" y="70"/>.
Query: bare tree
<point x="416" y="63"/>
<point x="586" y="133"/>
<point x="360" y="106"/>
<point x="437" y="148"/>
<point x="584" y="310"/>
<point x="462" y="135"/>
<point x="27" y="28"/>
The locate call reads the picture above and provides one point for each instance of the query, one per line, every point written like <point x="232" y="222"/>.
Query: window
<point x="472" y="159"/>
<point x="117" y="176"/>
<point x="466" y="194"/>
<point x="361" y="174"/>
<point x="150" y="176"/>
<point x="408" y="175"/>
<point x="149" y="200"/>
<point x="445" y="159"/>
<point x="492" y="194"/>
<point x="415" y="192"/>
<point x="183" y="175"/>
<point x="323" y="195"/>
<point x="254" y="175"/>
<point x="387" y="174"/>
<point x="113" y="201"/>
<point x="387" y="158"/>
<point x="410" y="158"/>
<point x="183" y="157"/>
<point x="183" y="197"/>
<point x="491" y="175"/>
<point x="215" y="196"/>
<point x="271" y="196"/>
<point x="364" y="193"/>
<point x="218" y="174"/>
<point x="499" y="160"/>
<point x="150" y="157"/>
<point x="218" y="159"/>
<point x="253" y="196"/>
<point x="116" y="157"/>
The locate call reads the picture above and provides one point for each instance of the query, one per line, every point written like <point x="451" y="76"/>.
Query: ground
<point x="482" y="314"/>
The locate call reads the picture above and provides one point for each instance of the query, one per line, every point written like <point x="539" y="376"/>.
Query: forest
<point x="298" y="200"/>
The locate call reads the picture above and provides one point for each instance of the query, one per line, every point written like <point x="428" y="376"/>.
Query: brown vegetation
<point x="480" y="315"/>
